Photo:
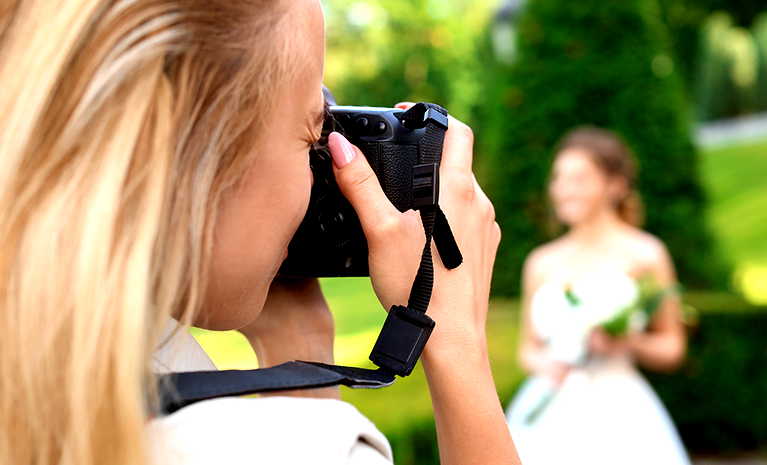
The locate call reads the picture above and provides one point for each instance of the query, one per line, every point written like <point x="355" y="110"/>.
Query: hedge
<point x="605" y="64"/>
<point x="718" y="400"/>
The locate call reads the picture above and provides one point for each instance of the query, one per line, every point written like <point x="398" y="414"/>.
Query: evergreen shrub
<point x="599" y="63"/>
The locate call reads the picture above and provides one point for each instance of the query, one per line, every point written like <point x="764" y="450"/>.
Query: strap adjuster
<point x="435" y="116"/>
<point x="425" y="185"/>
<point x="402" y="339"/>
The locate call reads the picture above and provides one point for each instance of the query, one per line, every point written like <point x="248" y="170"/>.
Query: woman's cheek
<point x="308" y="178"/>
<point x="294" y="208"/>
<point x="306" y="181"/>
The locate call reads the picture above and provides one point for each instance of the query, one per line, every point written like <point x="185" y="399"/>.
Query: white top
<point x="267" y="430"/>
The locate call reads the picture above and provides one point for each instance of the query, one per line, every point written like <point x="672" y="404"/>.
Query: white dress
<point x="604" y="413"/>
<point x="268" y="430"/>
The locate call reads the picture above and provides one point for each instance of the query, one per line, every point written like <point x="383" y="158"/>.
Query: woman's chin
<point x="278" y="264"/>
<point x="571" y="219"/>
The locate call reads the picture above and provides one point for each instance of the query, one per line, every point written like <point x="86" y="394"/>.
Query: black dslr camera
<point x="330" y="241"/>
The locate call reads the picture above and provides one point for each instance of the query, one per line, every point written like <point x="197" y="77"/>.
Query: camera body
<point x="330" y="242"/>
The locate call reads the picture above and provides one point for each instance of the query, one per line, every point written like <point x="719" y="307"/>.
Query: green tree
<point x="729" y="75"/>
<point x="384" y="51"/>
<point x="760" y="37"/>
<point x="686" y="20"/>
<point x="605" y="64"/>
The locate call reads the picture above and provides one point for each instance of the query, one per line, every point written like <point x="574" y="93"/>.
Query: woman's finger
<point x="359" y="184"/>
<point x="459" y="146"/>
<point x="459" y="142"/>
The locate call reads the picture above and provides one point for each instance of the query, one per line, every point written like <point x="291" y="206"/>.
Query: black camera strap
<point x="406" y="330"/>
<point x="434" y="119"/>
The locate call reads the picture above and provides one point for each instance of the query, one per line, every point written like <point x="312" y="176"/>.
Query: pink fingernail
<point x="344" y="156"/>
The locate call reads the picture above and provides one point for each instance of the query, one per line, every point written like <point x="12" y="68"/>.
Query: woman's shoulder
<point x="284" y="430"/>
<point x="648" y="249"/>
<point x="543" y="258"/>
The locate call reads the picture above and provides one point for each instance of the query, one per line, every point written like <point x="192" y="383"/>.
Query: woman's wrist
<point x="632" y="343"/>
<point x="451" y="334"/>
<point x="449" y="343"/>
<point x="471" y="427"/>
<point x="460" y="348"/>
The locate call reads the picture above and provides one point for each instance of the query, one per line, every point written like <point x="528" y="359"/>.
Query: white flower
<point x="564" y="315"/>
<point x="604" y="299"/>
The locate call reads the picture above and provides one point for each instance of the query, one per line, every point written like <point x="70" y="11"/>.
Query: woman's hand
<point x="535" y="359"/>
<point x="601" y="343"/>
<point x="555" y="371"/>
<point x="395" y="240"/>
<point x="295" y="324"/>
<point x="471" y="427"/>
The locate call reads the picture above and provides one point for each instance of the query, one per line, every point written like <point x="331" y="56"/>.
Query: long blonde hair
<point x="122" y="122"/>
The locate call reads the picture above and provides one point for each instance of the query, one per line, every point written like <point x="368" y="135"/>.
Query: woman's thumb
<point x="359" y="184"/>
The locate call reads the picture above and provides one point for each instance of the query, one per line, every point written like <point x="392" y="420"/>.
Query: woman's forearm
<point x="658" y="352"/>
<point x="471" y="426"/>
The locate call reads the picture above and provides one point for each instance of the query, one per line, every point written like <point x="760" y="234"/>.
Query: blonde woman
<point x="585" y="402"/>
<point x="155" y="165"/>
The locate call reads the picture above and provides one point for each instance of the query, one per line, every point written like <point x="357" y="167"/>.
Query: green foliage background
<point x="686" y="19"/>
<point x="603" y="63"/>
<point x="731" y="76"/>
<point x="385" y="51"/>
<point x="606" y="64"/>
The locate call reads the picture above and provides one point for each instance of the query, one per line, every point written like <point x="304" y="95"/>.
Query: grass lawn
<point x="735" y="179"/>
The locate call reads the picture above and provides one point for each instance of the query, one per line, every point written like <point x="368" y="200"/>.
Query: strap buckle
<point x="425" y="185"/>
<point x="435" y="116"/>
<point x="402" y="340"/>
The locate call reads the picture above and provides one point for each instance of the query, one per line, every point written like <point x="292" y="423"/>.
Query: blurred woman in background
<point x="155" y="164"/>
<point x="597" y="301"/>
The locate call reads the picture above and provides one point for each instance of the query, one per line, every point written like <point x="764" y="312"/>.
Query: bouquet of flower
<point x="628" y="308"/>
<point x="636" y="317"/>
